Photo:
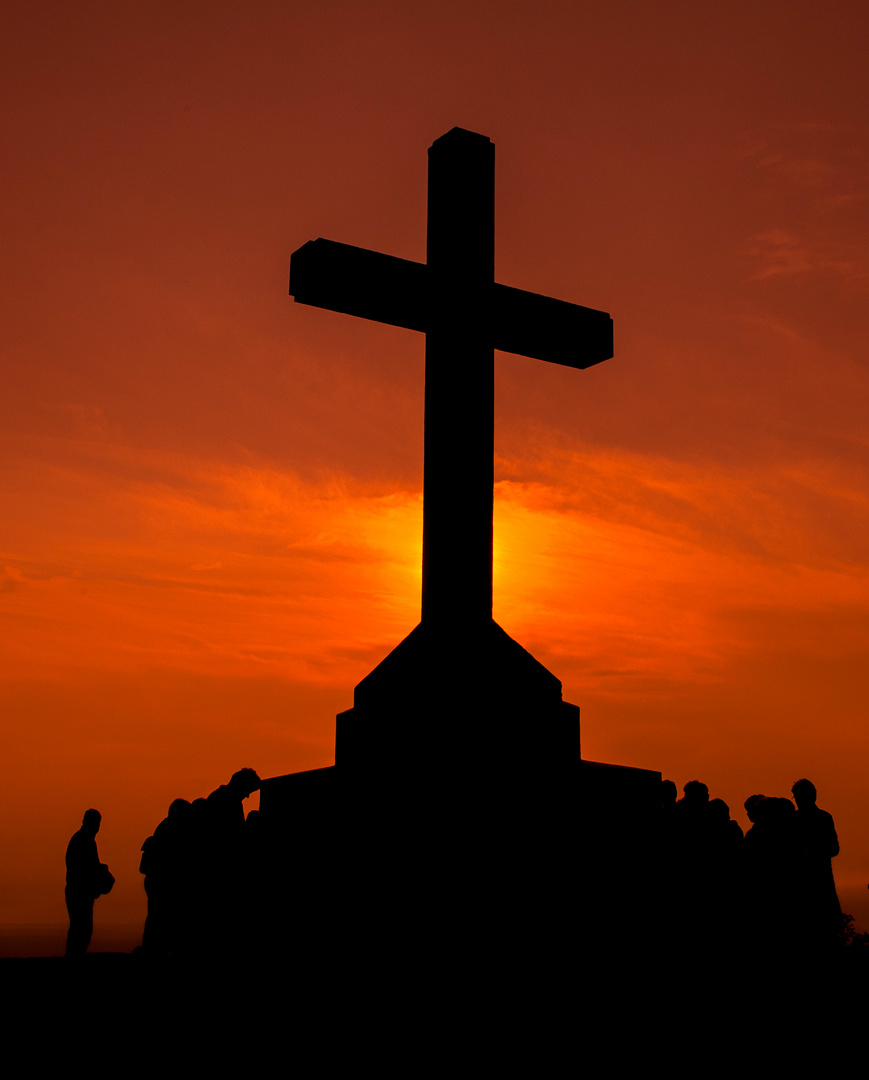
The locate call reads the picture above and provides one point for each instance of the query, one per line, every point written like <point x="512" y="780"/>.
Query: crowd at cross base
<point x="769" y="889"/>
<point x="765" y="893"/>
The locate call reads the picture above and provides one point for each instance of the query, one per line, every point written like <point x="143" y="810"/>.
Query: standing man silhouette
<point x="86" y="879"/>
<point x="822" y="915"/>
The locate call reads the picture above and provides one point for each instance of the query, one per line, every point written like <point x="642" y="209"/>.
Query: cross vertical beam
<point x="458" y="477"/>
<point x="453" y="299"/>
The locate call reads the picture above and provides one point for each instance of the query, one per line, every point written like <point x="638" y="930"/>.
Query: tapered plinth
<point x="468" y="699"/>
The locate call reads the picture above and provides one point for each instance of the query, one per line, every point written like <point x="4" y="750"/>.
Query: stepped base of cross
<point x="459" y="810"/>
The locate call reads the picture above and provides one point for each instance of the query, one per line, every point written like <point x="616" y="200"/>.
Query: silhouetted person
<point x="666" y="871"/>
<point x="817" y="845"/>
<point x="725" y="833"/>
<point x="221" y="866"/>
<point x="196" y="901"/>
<point x="772" y="876"/>
<point x="695" y="798"/>
<point x="750" y="804"/>
<point x="166" y="864"/>
<point x="691" y="817"/>
<point x="691" y="881"/>
<point x="225" y="804"/>
<point x="86" y="879"/>
<point x="724" y="859"/>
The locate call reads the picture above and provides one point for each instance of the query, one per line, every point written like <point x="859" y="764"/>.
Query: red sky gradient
<point x="211" y="496"/>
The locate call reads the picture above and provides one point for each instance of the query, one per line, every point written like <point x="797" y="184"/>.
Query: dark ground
<point x="619" y="1011"/>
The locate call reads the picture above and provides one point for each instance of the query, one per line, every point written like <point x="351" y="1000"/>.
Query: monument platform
<point x="460" y="810"/>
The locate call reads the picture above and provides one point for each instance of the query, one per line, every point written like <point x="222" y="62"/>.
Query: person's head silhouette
<point x="804" y="794"/>
<point x="696" y="793"/>
<point x="244" y="782"/>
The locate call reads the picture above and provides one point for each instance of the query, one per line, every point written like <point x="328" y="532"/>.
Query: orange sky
<point x="211" y="496"/>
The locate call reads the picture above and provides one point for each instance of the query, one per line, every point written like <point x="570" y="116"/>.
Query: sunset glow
<point x="212" y="512"/>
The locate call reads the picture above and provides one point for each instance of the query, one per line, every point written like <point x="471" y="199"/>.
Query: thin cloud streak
<point x="633" y="563"/>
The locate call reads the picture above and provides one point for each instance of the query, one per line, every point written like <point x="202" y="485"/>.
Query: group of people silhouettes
<point x="770" y="890"/>
<point x="196" y="868"/>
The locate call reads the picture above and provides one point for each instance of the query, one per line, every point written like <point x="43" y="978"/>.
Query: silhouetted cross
<point x="454" y="301"/>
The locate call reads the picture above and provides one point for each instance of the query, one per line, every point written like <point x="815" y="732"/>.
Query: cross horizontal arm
<point x="356" y="281"/>
<point x="547" y="329"/>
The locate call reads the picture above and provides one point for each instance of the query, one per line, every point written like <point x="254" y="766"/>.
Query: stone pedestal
<point x="459" y="814"/>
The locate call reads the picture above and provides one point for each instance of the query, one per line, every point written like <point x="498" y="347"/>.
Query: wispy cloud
<point x="779" y="253"/>
<point x="815" y="178"/>
<point x="167" y="561"/>
<point x="626" y="567"/>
